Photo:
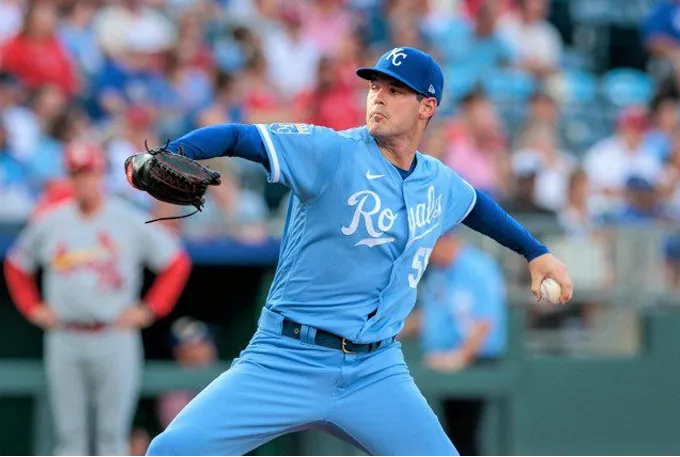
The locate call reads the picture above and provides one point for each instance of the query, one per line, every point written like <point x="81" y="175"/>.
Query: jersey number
<point x="419" y="264"/>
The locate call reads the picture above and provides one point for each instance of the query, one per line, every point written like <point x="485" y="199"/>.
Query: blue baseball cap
<point x="188" y="330"/>
<point x="412" y="67"/>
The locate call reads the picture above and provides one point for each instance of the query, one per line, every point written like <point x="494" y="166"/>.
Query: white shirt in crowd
<point x="552" y="179"/>
<point x="609" y="163"/>
<point x="292" y="64"/>
<point x="12" y="14"/>
<point x="538" y="40"/>
<point x="146" y="30"/>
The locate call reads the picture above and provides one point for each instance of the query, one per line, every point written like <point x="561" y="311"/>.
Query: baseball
<point x="550" y="291"/>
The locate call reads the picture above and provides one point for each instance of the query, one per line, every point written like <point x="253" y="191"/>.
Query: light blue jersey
<point x="358" y="236"/>
<point x="454" y="298"/>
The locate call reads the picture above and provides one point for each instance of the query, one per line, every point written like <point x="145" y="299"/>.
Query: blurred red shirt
<point x="39" y="62"/>
<point x="337" y="107"/>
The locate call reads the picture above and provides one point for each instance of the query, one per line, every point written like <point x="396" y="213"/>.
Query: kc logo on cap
<point x="396" y="55"/>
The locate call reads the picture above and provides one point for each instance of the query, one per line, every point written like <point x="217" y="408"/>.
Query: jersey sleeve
<point x="154" y="244"/>
<point x="302" y="157"/>
<point x="461" y="199"/>
<point x="26" y="250"/>
<point x="159" y="246"/>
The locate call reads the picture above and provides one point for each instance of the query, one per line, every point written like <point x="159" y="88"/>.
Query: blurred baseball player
<point x="461" y="322"/>
<point x="365" y="212"/>
<point x="93" y="248"/>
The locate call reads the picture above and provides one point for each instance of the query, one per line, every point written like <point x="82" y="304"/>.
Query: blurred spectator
<point x="477" y="144"/>
<point x="664" y="120"/>
<point x="36" y="56"/>
<point x="12" y="14"/>
<point x="230" y="211"/>
<point x="462" y="322"/>
<point x="555" y="166"/>
<point x="661" y="31"/>
<point x="227" y="104"/>
<point x="292" y="60"/>
<point x="262" y="103"/>
<point x="45" y="105"/>
<point x="132" y="24"/>
<point x="186" y="91"/>
<point x="325" y="23"/>
<point x="469" y="51"/>
<point x="19" y="122"/>
<point x="129" y="134"/>
<point x="543" y="112"/>
<point x="332" y="103"/>
<point x="642" y="204"/>
<point x="670" y="180"/>
<point x="576" y="217"/>
<point x="193" y="347"/>
<point x="521" y="202"/>
<point x="78" y="36"/>
<point x="192" y="48"/>
<point x="470" y="8"/>
<point x="612" y="160"/>
<point x="354" y="53"/>
<point x="435" y="143"/>
<point x="15" y="193"/>
<point x="131" y="77"/>
<point x="258" y="14"/>
<point x="535" y="43"/>
<point x="46" y="164"/>
<point x="404" y="30"/>
<point x="672" y="261"/>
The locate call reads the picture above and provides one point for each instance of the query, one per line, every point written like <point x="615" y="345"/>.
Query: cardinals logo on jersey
<point x="99" y="259"/>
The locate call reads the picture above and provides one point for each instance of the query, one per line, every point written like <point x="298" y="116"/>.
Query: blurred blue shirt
<point x="453" y="299"/>
<point x="466" y="55"/>
<point x="662" y="21"/>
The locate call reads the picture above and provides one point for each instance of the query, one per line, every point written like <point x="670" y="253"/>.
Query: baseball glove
<point x="170" y="177"/>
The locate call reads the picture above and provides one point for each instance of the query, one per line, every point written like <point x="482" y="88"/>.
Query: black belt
<point x="329" y="340"/>
<point x="90" y="327"/>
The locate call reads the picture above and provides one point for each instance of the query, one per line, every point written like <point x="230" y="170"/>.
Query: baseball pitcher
<point x="366" y="210"/>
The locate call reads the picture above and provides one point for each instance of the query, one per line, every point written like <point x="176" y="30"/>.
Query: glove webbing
<point x="153" y="152"/>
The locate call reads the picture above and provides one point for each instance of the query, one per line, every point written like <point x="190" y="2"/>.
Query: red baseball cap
<point x="82" y="156"/>
<point x="633" y="116"/>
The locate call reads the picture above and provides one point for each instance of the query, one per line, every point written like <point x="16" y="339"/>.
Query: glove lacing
<point x="158" y="150"/>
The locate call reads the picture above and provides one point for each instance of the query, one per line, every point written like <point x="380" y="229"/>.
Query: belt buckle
<point x="344" y="347"/>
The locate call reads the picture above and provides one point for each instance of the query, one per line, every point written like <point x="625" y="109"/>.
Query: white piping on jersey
<point x="472" y="205"/>
<point x="276" y="170"/>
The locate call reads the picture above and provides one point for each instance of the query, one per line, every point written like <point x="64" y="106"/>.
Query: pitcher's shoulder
<point x="359" y="134"/>
<point x="434" y="165"/>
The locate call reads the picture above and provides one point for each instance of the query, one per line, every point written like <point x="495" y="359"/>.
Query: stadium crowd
<point x="523" y="118"/>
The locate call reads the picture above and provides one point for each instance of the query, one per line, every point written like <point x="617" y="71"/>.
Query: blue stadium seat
<point x="582" y="126"/>
<point x="512" y="114"/>
<point x="598" y="12"/>
<point x="626" y="87"/>
<point x="576" y="59"/>
<point x="575" y="87"/>
<point x="458" y="84"/>
<point x="509" y="85"/>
